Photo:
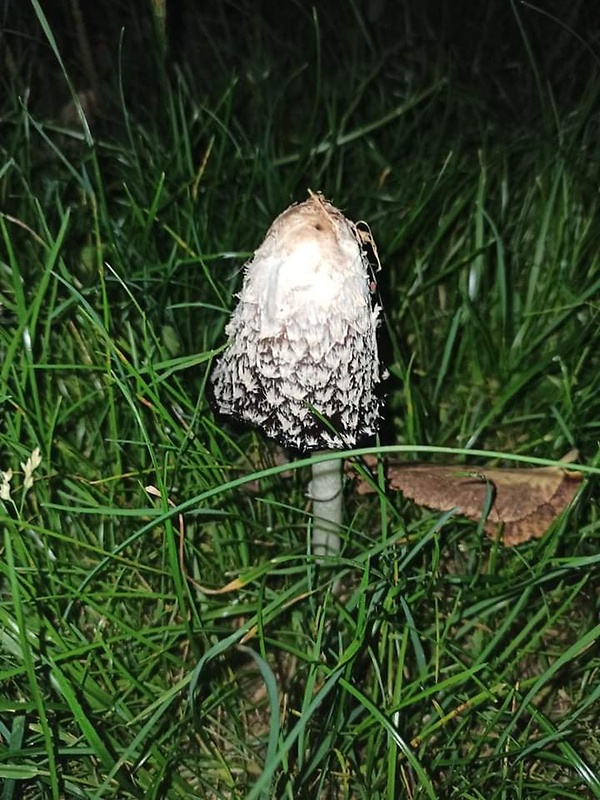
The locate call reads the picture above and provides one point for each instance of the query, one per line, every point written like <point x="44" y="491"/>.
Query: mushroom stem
<point x="325" y="491"/>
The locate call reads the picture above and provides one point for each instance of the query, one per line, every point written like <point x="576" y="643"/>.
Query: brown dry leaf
<point x="524" y="501"/>
<point x="88" y="105"/>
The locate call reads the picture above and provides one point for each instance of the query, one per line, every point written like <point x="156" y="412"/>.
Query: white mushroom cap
<point x="302" y="339"/>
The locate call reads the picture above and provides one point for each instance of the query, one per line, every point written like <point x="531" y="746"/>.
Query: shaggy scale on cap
<point x="302" y="339"/>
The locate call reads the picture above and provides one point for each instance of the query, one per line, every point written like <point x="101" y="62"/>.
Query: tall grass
<point x="163" y="632"/>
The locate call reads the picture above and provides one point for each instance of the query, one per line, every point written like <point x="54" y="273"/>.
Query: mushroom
<point x="301" y="363"/>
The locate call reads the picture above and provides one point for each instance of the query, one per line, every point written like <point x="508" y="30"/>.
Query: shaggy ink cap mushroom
<point x="302" y="362"/>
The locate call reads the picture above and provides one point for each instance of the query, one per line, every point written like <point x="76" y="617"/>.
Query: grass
<point x="163" y="632"/>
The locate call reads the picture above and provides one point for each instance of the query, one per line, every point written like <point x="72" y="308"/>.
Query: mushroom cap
<point x="302" y="363"/>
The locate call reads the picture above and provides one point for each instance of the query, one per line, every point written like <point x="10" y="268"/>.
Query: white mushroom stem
<point x="326" y="493"/>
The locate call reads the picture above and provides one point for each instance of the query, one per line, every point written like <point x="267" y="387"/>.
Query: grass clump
<point x="162" y="631"/>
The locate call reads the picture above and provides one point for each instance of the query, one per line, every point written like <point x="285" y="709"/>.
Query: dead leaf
<point x="524" y="501"/>
<point x="87" y="103"/>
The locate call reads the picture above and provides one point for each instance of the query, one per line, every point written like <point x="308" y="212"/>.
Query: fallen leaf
<point x="524" y="502"/>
